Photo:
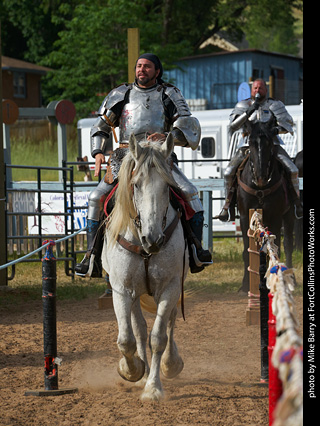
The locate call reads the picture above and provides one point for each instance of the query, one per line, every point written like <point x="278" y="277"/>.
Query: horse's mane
<point x="130" y="172"/>
<point x="260" y="129"/>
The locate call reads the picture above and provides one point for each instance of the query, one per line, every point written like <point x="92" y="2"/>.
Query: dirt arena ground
<point x="219" y="385"/>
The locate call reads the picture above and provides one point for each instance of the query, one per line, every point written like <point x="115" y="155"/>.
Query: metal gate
<point x="18" y="238"/>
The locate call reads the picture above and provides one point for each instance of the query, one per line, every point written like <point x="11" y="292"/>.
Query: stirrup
<point x="223" y="218"/>
<point x="295" y="213"/>
<point x="197" y="261"/>
<point x="88" y="272"/>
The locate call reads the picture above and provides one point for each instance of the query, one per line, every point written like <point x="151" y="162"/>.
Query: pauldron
<point x="144" y="112"/>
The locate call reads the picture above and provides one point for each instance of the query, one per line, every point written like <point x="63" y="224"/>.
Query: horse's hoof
<point x="242" y="291"/>
<point x="152" y="394"/>
<point x="171" y="370"/>
<point x="135" y="372"/>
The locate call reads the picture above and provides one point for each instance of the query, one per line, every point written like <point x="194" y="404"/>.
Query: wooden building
<point x="21" y="82"/>
<point x="214" y="78"/>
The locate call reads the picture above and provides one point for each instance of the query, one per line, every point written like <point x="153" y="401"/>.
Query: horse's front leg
<point x="171" y="362"/>
<point x="131" y="367"/>
<point x="141" y="334"/>
<point x="158" y="341"/>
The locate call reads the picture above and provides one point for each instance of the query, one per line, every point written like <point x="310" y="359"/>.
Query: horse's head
<point x="261" y="151"/>
<point x="150" y="182"/>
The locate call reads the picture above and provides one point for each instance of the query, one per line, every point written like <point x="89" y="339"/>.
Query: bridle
<point x="137" y="219"/>
<point x="259" y="193"/>
<point x="138" y="248"/>
<point x="253" y="171"/>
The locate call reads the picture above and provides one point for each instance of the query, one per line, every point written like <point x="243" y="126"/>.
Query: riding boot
<point x="199" y="257"/>
<point x="228" y="210"/>
<point x="91" y="263"/>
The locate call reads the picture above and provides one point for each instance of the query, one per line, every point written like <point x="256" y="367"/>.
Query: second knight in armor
<point x="150" y="109"/>
<point x="260" y="108"/>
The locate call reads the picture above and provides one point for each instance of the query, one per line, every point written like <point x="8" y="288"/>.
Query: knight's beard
<point x="144" y="80"/>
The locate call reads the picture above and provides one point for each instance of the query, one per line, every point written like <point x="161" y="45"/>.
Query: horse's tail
<point x="148" y="304"/>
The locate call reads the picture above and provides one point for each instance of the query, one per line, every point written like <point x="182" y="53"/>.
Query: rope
<point x="13" y="262"/>
<point x="288" y="350"/>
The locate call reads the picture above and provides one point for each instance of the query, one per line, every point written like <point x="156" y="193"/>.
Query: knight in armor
<point x="260" y="108"/>
<point x="149" y="108"/>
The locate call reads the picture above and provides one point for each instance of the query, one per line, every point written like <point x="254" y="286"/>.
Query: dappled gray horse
<point x="145" y="252"/>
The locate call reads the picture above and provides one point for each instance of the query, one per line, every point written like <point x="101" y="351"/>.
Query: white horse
<point x="144" y="251"/>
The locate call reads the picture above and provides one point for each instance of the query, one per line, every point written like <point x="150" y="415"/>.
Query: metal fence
<point x="20" y="241"/>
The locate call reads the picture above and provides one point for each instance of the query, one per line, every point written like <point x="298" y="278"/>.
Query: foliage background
<point x="85" y="41"/>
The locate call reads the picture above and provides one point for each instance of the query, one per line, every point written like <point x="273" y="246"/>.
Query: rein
<point x="138" y="249"/>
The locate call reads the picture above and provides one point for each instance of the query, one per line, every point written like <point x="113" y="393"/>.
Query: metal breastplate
<point x="263" y="113"/>
<point x="143" y="114"/>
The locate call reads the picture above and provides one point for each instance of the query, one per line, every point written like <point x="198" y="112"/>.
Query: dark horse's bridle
<point x="259" y="193"/>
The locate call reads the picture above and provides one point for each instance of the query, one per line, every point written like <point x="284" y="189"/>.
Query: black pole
<point x="51" y="361"/>
<point x="264" y="317"/>
<point x="49" y="281"/>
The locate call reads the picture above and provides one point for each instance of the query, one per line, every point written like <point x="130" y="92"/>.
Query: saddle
<point x="177" y="200"/>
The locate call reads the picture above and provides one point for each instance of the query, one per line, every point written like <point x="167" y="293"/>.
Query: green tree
<point x="270" y="25"/>
<point x="85" y="41"/>
<point x="29" y="29"/>
<point x="90" y="55"/>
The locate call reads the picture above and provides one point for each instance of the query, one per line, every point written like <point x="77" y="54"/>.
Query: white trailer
<point x="216" y="144"/>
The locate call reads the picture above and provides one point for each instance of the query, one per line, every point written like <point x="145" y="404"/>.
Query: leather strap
<point x="105" y="204"/>
<point x="112" y="126"/>
<point x="138" y="249"/>
<point x="259" y="193"/>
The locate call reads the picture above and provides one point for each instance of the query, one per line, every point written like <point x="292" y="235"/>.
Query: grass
<point x="45" y="154"/>
<point x="224" y="276"/>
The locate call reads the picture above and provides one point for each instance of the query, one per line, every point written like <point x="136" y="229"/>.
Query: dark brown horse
<point x="262" y="185"/>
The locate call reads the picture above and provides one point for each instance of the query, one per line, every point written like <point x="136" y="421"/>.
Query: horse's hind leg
<point x="131" y="367"/>
<point x="139" y="326"/>
<point x="171" y="361"/>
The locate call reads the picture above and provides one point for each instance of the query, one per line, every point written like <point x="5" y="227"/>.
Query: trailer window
<point x="208" y="147"/>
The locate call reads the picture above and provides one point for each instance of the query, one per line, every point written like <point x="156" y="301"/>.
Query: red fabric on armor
<point x="189" y="212"/>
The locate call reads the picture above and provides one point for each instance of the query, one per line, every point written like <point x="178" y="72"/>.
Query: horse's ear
<point x="134" y="146"/>
<point x="167" y="146"/>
